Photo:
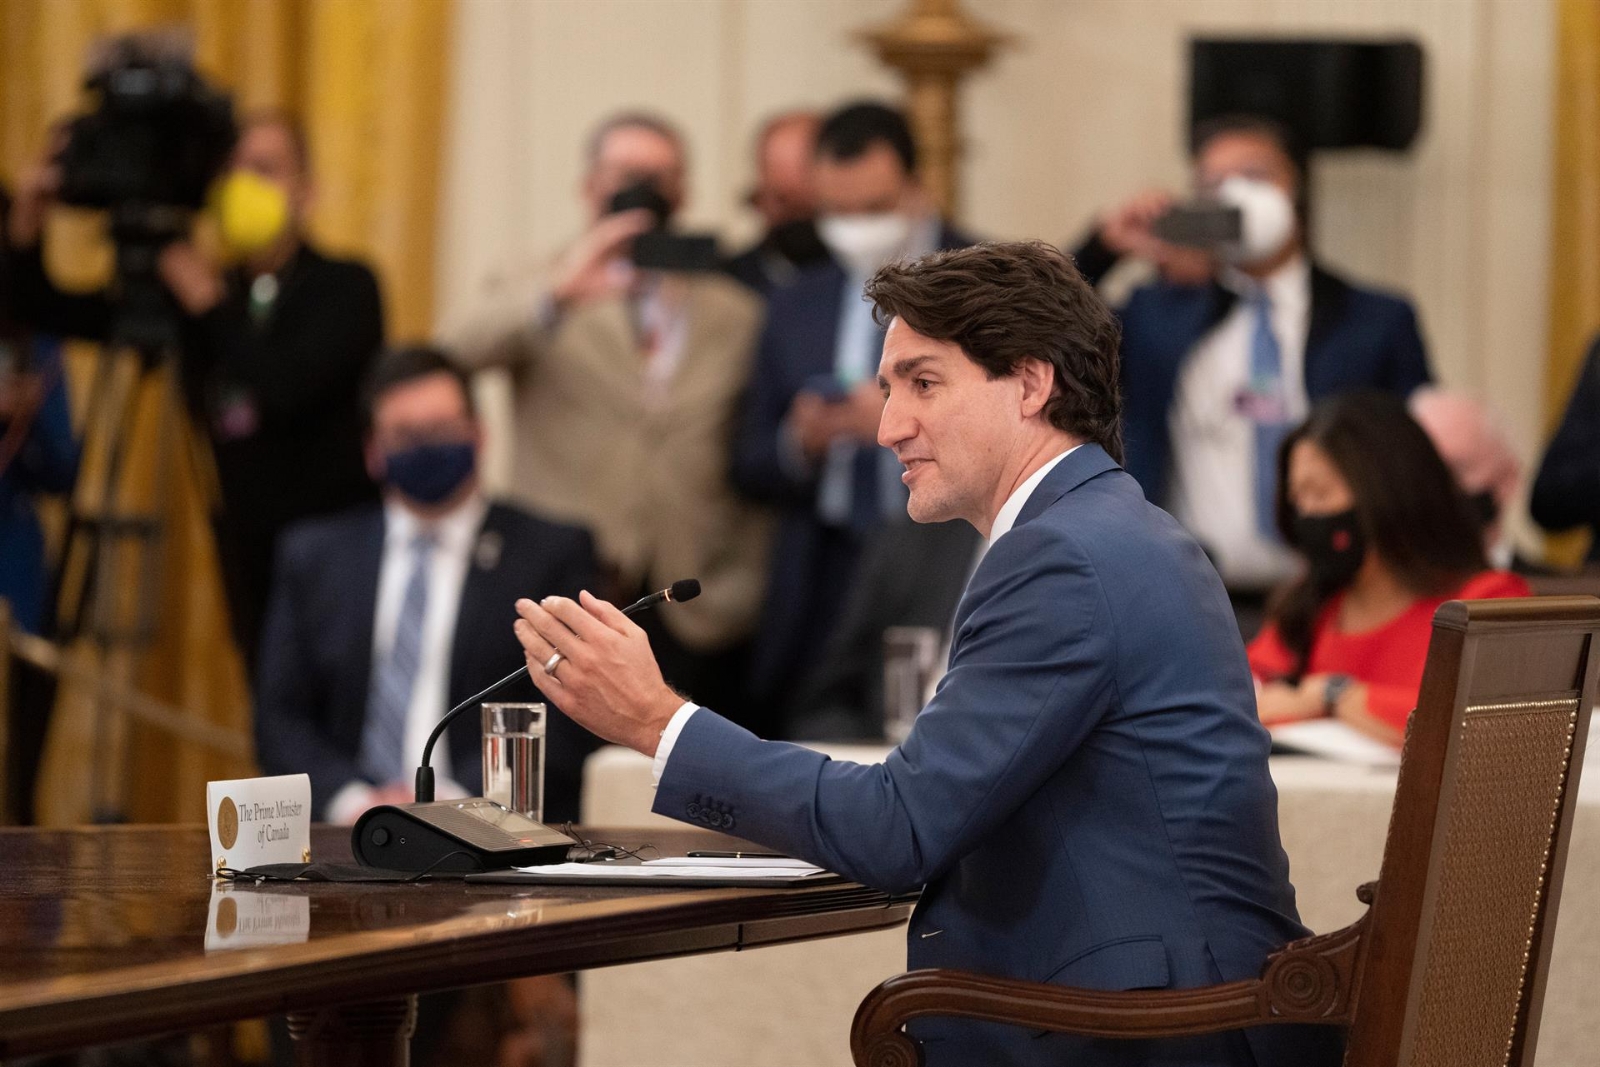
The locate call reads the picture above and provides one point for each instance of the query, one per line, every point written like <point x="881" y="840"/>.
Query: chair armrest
<point x="1310" y="980"/>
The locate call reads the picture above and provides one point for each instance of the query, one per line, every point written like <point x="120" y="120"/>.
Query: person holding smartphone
<point x="1238" y="337"/>
<point x="626" y="381"/>
<point x="807" y="439"/>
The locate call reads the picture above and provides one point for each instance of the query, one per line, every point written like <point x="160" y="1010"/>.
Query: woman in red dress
<point x="1387" y="537"/>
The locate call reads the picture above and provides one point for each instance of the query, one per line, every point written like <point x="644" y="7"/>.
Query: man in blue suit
<point x="806" y="444"/>
<point x="1085" y="800"/>
<point x="1225" y="354"/>
<point x="383" y="617"/>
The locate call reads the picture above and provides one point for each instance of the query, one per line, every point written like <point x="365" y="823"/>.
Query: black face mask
<point x="797" y="242"/>
<point x="642" y="192"/>
<point x="1485" y="507"/>
<point x="1333" y="547"/>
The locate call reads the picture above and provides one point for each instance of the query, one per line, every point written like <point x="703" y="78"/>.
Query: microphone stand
<point x="425" y="782"/>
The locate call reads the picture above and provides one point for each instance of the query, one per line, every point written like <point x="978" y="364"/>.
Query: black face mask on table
<point x="1333" y="546"/>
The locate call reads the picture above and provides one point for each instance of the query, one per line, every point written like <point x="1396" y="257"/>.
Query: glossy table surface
<point x="110" y="933"/>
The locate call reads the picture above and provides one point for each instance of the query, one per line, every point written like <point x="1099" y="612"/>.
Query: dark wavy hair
<point x="406" y="363"/>
<point x="1004" y="302"/>
<point x="1408" y="506"/>
<point x="847" y="133"/>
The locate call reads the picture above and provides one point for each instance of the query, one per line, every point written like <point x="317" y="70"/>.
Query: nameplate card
<point x="250" y="916"/>
<point x="260" y="820"/>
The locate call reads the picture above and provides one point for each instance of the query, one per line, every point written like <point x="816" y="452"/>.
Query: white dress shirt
<point x="456" y="536"/>
<point x="1212" y="491"/>
<point x="1004" y="520"/>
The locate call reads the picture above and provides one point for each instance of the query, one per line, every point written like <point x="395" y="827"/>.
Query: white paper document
<point x="1333" y="739"/>
<point x="731" y="871"/>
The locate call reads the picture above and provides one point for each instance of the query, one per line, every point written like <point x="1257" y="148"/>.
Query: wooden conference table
<point x="114" y="933"/>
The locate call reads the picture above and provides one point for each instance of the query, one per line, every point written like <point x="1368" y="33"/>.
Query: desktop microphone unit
<point x="475" y="834"/>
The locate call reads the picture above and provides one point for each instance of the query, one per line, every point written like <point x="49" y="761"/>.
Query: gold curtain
<point x="367" y="79"/>
<point x="1575" y="220"/>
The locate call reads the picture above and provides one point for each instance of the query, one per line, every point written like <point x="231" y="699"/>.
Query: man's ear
<point x="1038" y="385"/>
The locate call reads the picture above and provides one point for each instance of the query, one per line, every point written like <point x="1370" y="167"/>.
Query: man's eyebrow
<point x="903" y="367"/>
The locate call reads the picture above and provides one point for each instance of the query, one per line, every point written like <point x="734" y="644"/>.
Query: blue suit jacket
<point x="1356" y="339"/>
<point x="1085" y="799"/>
<point x="1567" y="490"/>
<point x="316" y="647"/>
<point x="46" y="462"/>
<point x="797" y="344"/>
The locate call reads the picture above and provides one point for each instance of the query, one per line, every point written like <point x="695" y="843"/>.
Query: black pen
<point x="736" y="856"/>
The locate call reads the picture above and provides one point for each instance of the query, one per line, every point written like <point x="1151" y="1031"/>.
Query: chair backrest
<point x="1580" y="583"/>
<point x="1457" y="944"/>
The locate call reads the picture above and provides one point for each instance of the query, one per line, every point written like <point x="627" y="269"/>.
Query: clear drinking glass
<point x="513" y="757"/>
<point x="910" y="666"/>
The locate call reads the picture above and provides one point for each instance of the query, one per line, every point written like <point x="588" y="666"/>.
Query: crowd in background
<point x="722" y="424"/>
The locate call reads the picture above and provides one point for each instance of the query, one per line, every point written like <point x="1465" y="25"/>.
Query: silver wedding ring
<point x="550" y="664"/>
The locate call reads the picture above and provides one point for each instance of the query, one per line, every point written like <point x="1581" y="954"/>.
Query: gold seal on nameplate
<point x="227" y="822"/>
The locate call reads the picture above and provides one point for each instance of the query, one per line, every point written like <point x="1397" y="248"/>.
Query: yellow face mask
<point x="250" y="211"/>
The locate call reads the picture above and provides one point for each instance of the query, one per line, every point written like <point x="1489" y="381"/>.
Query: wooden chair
<point x="1447" y="966"/>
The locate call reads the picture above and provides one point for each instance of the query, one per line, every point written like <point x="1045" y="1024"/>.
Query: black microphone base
<point x="454" y="836"/>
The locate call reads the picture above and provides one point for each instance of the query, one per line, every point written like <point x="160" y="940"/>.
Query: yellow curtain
<point x="367" y="79"/>
<point x="1575" y="223"/>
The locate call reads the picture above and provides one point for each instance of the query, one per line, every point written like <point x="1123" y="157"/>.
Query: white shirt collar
<point x="454" y="532"/>
<point x="1288" y="286"/>
<point x="1019" y="496"/>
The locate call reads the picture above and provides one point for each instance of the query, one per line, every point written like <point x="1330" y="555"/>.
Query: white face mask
<point x="1267" y="219"/>
<point x="863" y="243"/>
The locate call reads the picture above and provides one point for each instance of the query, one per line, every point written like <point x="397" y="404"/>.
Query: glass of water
<point x="910" y="671"/>
<point x="513" y="757"/>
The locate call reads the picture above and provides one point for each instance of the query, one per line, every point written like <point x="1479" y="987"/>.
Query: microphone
<point x="676" y="593"/>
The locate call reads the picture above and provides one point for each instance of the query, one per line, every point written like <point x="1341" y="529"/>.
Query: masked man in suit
<point x="1226" y="353"/>
<point x="384" y="617"/>
<point x="1085" y="800"/>
<point x="806" y="444"/>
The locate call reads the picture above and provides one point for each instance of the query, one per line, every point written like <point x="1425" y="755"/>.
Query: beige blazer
<point x="645" y="468"/>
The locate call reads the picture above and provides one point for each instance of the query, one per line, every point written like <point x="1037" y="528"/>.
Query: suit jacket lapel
<point x="1219" y="301"/>
<point x="703" y="363"/>
<point x="477" y="611"/>
<point x="599" y="331"/>
<point x="366" y="565"/>
<point x="1328" y="296"/>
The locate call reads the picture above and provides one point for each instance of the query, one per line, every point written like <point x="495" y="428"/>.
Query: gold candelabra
<point x="934" y="45"/>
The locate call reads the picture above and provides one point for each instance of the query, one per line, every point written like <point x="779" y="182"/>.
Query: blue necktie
<point x="383" y="736"/>
<point x="1268" y="409"/>
<point x="858" y="482"/>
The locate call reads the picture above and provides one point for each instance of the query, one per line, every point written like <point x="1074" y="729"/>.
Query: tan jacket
<point x="648" y="475"/>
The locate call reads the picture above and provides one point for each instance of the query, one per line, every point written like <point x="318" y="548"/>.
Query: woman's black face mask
<point x="1333" y="546"/>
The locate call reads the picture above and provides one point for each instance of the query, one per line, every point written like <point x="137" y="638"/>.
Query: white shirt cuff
<point x="669" y="737"/>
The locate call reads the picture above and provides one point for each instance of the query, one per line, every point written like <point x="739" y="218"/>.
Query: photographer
<point x="1230" y="347"/>
<point x="627" y="381"/>
<point x="785" y="198"/>
<point x="38" y="457"/>
<point x="273" y="350"/>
